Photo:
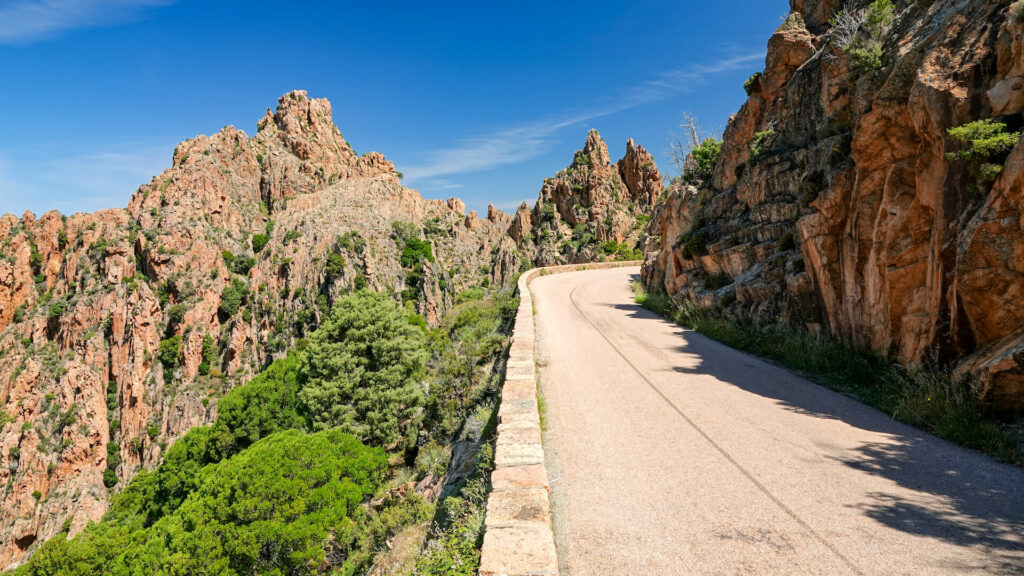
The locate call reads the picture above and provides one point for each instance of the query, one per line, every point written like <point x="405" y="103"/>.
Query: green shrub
<point x="35" y="259"/>
<point x="866" y="50"/>
<point x="402" y="231"/>
<point x="267" y="404"/>
<point x="242" y="264"/>
<point x="259" y="241"/>
<point x="787" y="242"/>
<point x="705" y="157"/>
<point x="547" y="212"/>
<point x="880" y="16"/>
<point x="351" y="242"/>
<point x="363" y="369"/>
<point x="752" y="84"/>
<point x="580" y="159"/>
<point x="112" y="397"/>
<point x="270" y="510"/>
<point x="694" y="245"/>
<point x="717" y="280"/>
<point x="209" y="355"/>
<point x="620" y="251"/>
<point x="984" y="145"/>
<point x="867" y="56"/>
<point x="232" y="297"/>
<point x="1017" y="11"/>
<point x="170" y="352"/>
<point x="57" y="308"/>
<point x="109" y="478"/>
<point x="175" y="314"/>
<point x="414" y="253"/>
<point x="761" y="145"/>
<point x="470" y="294"/>
<point x="335" y="266"/>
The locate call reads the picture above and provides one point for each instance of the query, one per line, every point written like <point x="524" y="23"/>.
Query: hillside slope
<point x="835" y="203"/>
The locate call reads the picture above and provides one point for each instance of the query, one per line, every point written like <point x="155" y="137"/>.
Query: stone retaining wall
<point x="518" y="539"/>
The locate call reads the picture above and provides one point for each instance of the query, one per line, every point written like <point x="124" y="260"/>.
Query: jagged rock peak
<point x="589" y="207"/>
<point x="306" y="127"/>
<point x="640" y="174"/>
<point x="595" y="150"/>
<point x="297" y="150"/>
<point x="494" y="214"/>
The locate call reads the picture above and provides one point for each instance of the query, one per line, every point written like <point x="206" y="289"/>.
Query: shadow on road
<point x="980" y="501"/>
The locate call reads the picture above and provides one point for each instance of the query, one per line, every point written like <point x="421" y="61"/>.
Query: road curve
<point x="670" y="453"/>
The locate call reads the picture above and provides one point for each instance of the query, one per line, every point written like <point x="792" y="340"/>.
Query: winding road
<point x="669" y="453"/>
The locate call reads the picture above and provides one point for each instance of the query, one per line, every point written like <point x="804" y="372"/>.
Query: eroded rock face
<point x="589" y="203"/>
<point x="852" y="218"/>
<point x="86" y="300"/>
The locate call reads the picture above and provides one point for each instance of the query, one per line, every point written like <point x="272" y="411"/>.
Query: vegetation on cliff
<point x="120" y="329"/>
<point x="294" y="476"/>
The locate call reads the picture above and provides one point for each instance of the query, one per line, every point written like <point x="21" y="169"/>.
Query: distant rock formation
<point x="588" y="204"/>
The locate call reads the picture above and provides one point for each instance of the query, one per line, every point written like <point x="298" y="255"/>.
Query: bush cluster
<point x="276" y="484"/>
<point x="694" y="245"/>
<point x="700" y="165"/>
<point x="761" y="145"/>
<point x="866" y="49"/>
<point x="984" y="145"/>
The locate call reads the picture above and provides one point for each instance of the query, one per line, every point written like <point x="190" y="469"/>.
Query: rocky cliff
<point x="592" y="209"/>
<point x="835" y="203"/>
<point x="120" y="329"/>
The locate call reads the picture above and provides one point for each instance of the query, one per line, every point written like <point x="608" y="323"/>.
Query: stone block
<point x="520" y="550"/>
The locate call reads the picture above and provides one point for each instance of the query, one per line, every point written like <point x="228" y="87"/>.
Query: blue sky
<point x="469" y="99"/>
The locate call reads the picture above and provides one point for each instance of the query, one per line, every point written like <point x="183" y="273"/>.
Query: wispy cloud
<point x="81" y="183"/>
<point x="27" y="21"/>
<point x="439" y="184"/>
<point x="531" y="139"/>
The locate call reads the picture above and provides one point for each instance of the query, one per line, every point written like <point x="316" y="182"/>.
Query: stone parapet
<point x="518" y="539"/>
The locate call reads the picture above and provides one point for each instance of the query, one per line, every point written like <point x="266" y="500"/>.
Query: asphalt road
<point x="672" y="454"/>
